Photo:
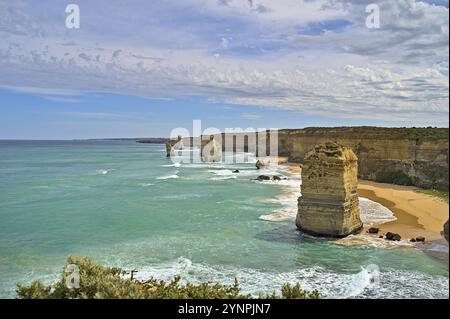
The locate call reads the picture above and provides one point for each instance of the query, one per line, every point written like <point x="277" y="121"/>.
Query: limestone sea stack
<point x="212" y="150"/>
<point x="329" y="204"/>
<point x="172" y="145"/>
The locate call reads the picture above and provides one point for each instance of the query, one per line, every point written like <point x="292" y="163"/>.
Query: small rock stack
<point x="329" y="204"/>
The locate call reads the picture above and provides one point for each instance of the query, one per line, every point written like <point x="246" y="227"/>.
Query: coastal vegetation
<point x="394" y="177"/>
<point x="439" y="193"/>
<point x="100" y="282"/>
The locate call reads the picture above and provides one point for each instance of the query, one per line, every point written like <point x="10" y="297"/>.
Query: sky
<point x="141" y="68"/>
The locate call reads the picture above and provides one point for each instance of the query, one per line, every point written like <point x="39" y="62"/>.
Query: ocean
<point x="125" y="204"/>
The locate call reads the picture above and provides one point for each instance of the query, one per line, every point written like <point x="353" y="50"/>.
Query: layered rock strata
<point x="329" y="203"/>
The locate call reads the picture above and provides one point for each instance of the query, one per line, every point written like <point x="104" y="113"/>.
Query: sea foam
<point x="364" y="283"/>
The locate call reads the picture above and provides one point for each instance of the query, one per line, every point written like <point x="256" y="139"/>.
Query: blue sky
<point x="141" y="68"/>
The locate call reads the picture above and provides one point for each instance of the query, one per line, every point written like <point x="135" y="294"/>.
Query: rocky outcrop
<point x="211" y="150"/>
<point x="329" y="203"/>
<point x="446" y="230"/>
<point x="393" y="236"/>
<point x="172" y="145"/>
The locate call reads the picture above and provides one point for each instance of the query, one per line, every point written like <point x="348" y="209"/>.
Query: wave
<point x="364" y="239"/>
<point x="146" y="184"/>
<point x="104" y="171"/>
<point x="288" y="211"/>
<point x="174" y="176"/>
<point x="223" y="178"/>
<point x="368" y="282"/>
<point x="171" y="165"/>
<point x="222" y="172"/>
<point x="373" y="213"/>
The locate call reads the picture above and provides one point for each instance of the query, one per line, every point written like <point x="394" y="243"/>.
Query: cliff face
<point x="383" y="153"/>
<point x="329" y="203"/>
<point x="446" y="230"/>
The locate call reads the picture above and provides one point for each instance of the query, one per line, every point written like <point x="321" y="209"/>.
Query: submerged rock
<point x="373" y="230"/>
<point x="263" y="178"/>
<point x="329" y="205"/>
<point x="393" y="236"/>
<point x="276" y="178"/>
<point x="236" y="171"/>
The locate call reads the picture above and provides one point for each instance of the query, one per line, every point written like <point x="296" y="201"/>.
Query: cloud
<point x="250" y="116"/>
<point x="106" y="115"/>
<point x="315" y="57"/>
<point x="60" y="99"/>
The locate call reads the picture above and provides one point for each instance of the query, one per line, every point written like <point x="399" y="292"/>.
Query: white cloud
<point x="399" y="72"/>
<point x="250" y="116"/>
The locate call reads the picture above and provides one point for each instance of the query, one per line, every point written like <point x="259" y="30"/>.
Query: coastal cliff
<point x="329" y="203"/>
<point x="405" y="156"/>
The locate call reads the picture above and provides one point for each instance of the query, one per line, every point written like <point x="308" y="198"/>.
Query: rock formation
<point x="446" y="230"/>
<point x="329" y="203"/>
<point x="419" y="155"/>
<point x="212" y="150"/>
<point x="172" y="145"/>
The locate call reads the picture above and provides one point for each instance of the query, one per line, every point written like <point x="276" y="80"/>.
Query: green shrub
<point x="394" y="177"/>
<point x="100" y="282"/>
<point x="439" y="193"/>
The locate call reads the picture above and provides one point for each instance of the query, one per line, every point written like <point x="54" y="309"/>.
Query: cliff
<point x="396" y="155"/>
<point x="406" y="156"/>
<point x="329" y="203"/>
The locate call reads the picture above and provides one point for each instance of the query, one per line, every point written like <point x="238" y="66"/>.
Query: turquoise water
<point x="124" y="204"/>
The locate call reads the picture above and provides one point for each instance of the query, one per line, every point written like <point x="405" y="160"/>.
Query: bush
<point x="394" y="177"/>
<point x="99" y="282"/>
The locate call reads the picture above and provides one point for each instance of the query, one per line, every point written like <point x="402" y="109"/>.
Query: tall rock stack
<point x="329" y="204"/>
<point x="211" y="150"/>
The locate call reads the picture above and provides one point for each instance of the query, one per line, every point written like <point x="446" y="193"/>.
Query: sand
<point x="417" y="214"/>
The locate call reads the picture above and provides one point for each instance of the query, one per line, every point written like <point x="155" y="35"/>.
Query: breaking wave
<point x="373" y="213"/>
<point x="364" y="284"/>
<point x="104" y="171"/>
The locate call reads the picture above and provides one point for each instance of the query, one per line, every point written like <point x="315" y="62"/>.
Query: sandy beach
<point x="417" y="214"/>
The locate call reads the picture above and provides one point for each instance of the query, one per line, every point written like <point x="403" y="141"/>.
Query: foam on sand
<point x="373" y="213"/>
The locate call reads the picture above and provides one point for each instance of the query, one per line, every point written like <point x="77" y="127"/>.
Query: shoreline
<point x="417" y="214"/>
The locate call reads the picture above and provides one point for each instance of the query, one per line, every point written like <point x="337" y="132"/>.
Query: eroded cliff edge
<point x="414" y="156"/>
<point x="405" y="156"/>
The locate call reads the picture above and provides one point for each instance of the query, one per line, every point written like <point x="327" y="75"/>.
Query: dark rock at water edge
<point x="419" y="239"/>
<point x="393" y="236"/>
<point x="373" y="230"/>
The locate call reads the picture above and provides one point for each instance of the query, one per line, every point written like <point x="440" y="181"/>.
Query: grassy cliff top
<point x="416" y="133"/>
